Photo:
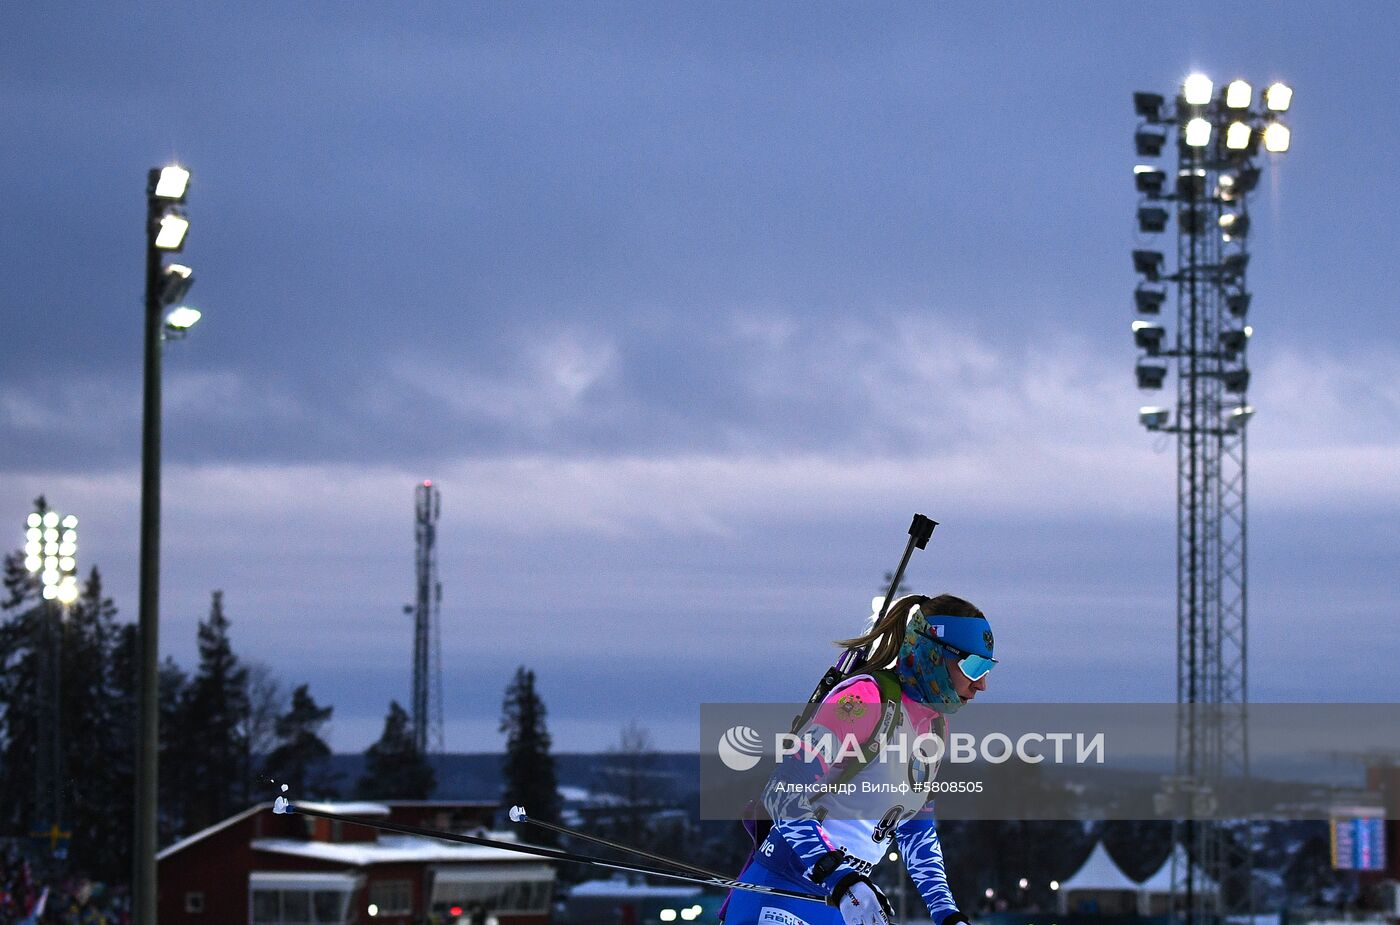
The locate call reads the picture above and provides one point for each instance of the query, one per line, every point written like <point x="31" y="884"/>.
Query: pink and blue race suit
<point x="876" y="801"/>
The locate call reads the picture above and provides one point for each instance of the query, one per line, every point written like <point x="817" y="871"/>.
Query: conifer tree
<point x="215" y="710"/>
<point x="530" y="779"/>
<point x="301" y="756"/>
<point x="394" y="768"/>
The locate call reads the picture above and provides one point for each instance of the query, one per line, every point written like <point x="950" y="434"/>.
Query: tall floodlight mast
<point x="1218" y="135"/>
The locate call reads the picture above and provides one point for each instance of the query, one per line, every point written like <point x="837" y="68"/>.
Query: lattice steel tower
<point x="1216" y="138"/>
<point x="427" y="624"/>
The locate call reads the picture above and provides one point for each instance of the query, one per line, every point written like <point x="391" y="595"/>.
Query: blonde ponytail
<point x="883" y="639"/>
<point x="886" y="635"/>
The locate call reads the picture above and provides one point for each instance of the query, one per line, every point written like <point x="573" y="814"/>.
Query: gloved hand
<point x="861" y="902"/>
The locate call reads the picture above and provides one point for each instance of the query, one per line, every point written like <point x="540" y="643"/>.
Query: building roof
<point x="619" y="887"/>
<point x="388" y="850"/>
<point x="343" y="808"/>
<point x="205" y="833"/>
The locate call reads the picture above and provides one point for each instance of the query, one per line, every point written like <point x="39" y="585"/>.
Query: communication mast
<point x="427" y="623"/>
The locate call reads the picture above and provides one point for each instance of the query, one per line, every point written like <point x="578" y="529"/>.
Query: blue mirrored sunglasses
<point x="974" y="666"/>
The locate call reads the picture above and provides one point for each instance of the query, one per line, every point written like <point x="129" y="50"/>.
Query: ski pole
<point x="282" y="805"/>
<point x="518" y="814"/>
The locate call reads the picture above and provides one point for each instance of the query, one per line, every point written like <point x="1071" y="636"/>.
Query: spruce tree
<point x="20" y="674"/>
<point x="528" y="766"/>
<point x="215" y="711"/>
<point x="98" y="738"/>
<point x="301" y="756"/>
<point x="394" y="768"/>
<point x="177" y="760"/>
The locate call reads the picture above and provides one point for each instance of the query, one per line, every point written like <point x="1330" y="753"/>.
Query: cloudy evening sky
<point x="687" y="308"/>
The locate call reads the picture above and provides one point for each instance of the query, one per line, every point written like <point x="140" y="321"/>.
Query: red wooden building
<point x="260" y="868"/>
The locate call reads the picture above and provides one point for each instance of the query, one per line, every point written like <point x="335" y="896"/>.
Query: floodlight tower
<point x="427" y="623"/>
<point x="50" y="551"/>
<point x="1218" y="136"/>
<point x="166" y="317"/>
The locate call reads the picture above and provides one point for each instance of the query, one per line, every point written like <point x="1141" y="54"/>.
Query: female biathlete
<point x="833" y="809"/>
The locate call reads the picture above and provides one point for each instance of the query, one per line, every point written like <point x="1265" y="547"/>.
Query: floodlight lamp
<point x="1149" y="301"/>
<point x="50" y="592"/>
<point x="1239" y="415"/>
<point x="70" y="536"/>
<point x="1150" y="376"/>
<point x="1277" y="138"/>
<point x="170" y="233"/>
<point x="172" y="183"/>
<point x="1234" y="264"/>
<point x="1247" y="178"/>
<point x="1237" y="136"/>
<point x="1152" y="219"/>
<point x="1234" y="225"/>
<point x="183" y="318"/>
<point x="33" y="534"/>
<point x="175" y="283"/>
<point x="1238" y="95"/>
<point x="1236" y="381"/>
<point x="34" y="519"/>
<point x="1191" y="221"/>
<point x="1149" y="142"/>
<point x="1197" y="133"/>
<point x="1190" y="184"/>
<point x="1197" y="89"/>
<point x="1153" y="418"/>
<point x="70" y="522"/>
<point x="1233" y="341"/>
<point x="33" y="548"/>
<point x="67" y="564"/>
<point x="1148" y="263"/>
<point x="67" y="592"/>
<point x="1148" y="336"/>
<point x="1278" y="97"/>
<point x="51" y="519"/>
<point x="1149" y="179"/>
<point x="1148" y="106"/>
<point x="32" y="563"/>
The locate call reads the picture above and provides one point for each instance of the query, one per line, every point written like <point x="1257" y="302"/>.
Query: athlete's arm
<point x="923" y="858"/>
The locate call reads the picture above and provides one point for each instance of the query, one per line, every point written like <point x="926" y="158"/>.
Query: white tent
<point x="1100" y="886"/>
<point x="1157" y="889"/>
